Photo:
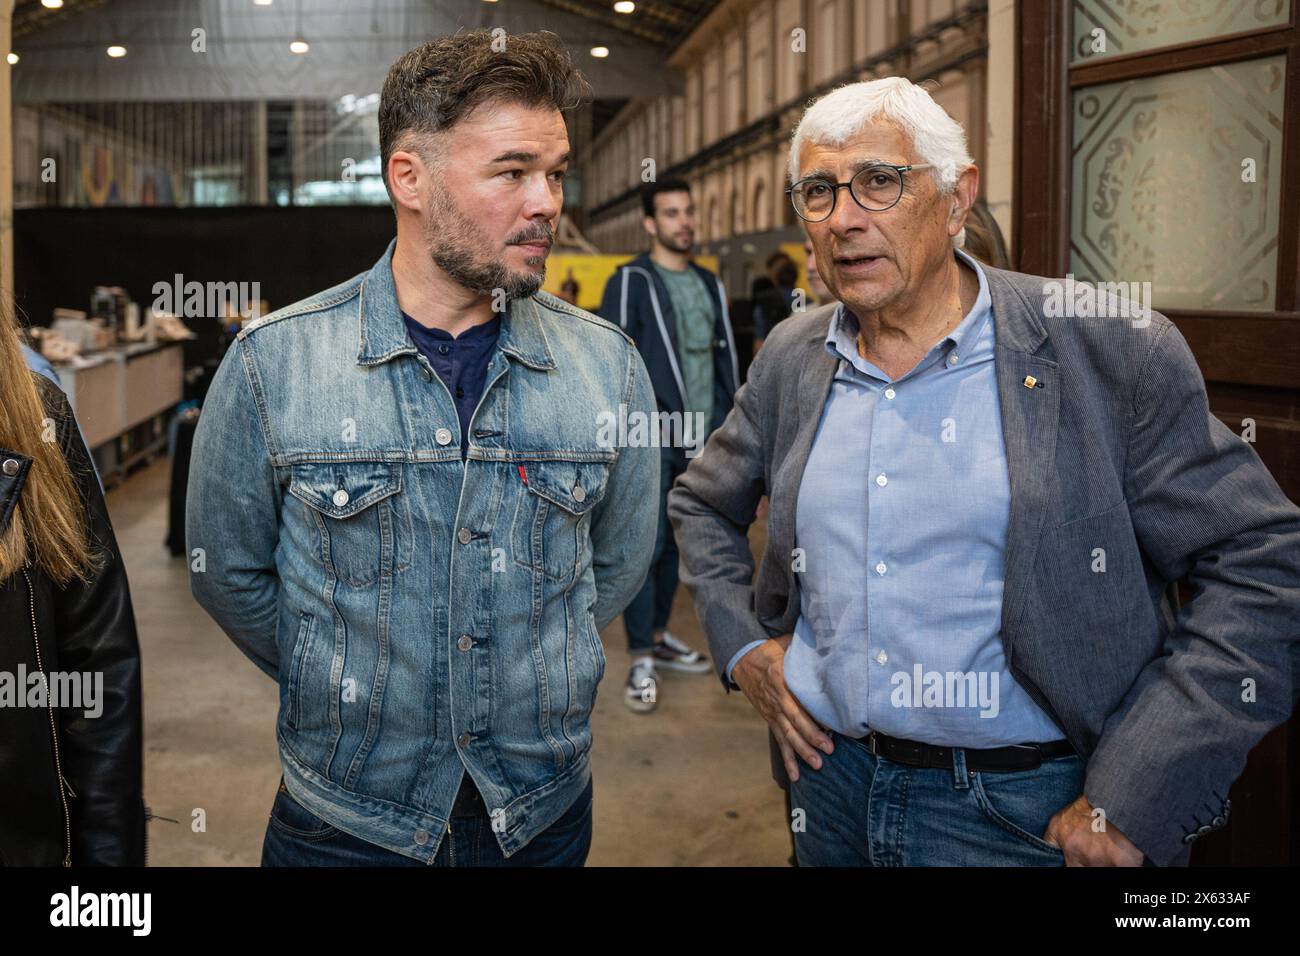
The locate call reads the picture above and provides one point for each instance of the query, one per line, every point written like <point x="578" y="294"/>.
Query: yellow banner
<point x="592" y="272"/>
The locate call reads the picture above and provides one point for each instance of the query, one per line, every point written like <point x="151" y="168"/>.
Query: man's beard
<point x="453" y="240"/>
<point x="669" y="241"/>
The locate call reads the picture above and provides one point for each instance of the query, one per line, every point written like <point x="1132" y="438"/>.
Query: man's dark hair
<point x="434" y="86"/>
<point x="787" y="274"/>
<point x="650" y="190"/>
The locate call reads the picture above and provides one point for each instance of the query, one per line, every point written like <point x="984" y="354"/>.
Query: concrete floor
<point x="687" y="785"/>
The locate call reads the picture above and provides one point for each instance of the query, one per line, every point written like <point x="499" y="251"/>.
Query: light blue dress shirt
<point x="900" y="536"/>
<point x="40" y="364"/>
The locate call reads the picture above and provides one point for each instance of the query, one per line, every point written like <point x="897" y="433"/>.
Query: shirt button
<point x="421" y="837"/>
<point x="465" y="642"/>
<point x="889" y="393"/>
<point x="579" y="495"/>
<point x="464" y="739"/>
<point x="442" y="436"/>
<point x="881" y="480"/>
<point x="882" y="657"/>
<point x="340" y="498"/>
<point x="881" y="568"/>
<point x="952" y="358"/>
<point x="464" y="536"/>
<point x="444" y="349"/>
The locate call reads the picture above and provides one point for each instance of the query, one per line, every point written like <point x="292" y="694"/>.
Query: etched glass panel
<point x="1177" y="180"/>
<point x="1104" y="28"/>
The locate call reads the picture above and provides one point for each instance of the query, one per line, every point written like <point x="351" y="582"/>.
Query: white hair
<point x="839" y="115"/>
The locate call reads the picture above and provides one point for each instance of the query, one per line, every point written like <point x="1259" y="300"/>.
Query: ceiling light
<point x="600" y="51"/>
<point x="261" y="3"/>
<point x="624" y="6"/>
<point x="116" y="51"/>
<point x="12" y="58"/>
<point x="52" y="4"/>
<point x="299" y="46"/>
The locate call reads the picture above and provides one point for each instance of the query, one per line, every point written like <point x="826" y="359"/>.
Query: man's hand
<point x="761" y="675"/>
<point x="1071" y="830"/>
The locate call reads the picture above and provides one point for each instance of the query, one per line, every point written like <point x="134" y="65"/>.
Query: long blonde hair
<point x="48" y="524"/>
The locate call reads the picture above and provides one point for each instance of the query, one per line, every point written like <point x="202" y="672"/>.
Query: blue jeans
<point x="296" y="837"/>
<point x="652" y="605"/>
<point x="863" y="810"/>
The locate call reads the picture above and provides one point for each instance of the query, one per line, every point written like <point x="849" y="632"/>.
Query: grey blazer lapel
<point x="1029" y="427"/>
<point x="810" y="398"/>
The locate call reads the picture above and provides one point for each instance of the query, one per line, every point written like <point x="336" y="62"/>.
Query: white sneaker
<point x="641" y="693"/>
<point x="676" y="656"/>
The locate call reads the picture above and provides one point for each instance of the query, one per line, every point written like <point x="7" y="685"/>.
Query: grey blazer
<point x="1117" y="450"/>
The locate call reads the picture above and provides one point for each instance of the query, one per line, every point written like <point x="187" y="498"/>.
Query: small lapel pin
<point x="1031" y="382"/>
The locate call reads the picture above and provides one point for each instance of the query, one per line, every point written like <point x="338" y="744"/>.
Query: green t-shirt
<point x="693" y="306"/>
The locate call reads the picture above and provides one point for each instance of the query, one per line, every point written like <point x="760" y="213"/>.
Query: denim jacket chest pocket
<point x="550" y="533"/>
<point x="361" y="516"/>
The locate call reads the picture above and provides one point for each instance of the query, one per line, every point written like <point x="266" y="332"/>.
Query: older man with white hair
<point x="962" y="622"/>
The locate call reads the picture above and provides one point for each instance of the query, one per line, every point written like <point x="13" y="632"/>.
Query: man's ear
<point x="648" y="223"/>
<point x="406" y="171"/>
<point x="963" y="197"/>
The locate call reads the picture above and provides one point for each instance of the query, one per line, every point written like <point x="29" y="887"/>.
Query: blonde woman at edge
<point x="70" y="725"/>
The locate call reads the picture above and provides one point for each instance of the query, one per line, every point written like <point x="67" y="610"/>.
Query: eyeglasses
<point x="875" y="188"/>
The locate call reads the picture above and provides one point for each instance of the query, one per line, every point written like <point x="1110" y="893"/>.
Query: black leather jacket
<point x="96" y="814"/>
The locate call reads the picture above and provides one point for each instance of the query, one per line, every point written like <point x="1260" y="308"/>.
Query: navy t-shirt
<point x="460" y="362"/>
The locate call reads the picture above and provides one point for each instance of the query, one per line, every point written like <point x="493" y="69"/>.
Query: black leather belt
<point x="469" y="803"/>
<point x="991" y="760"/>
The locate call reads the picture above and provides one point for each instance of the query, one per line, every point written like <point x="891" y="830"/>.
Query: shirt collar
<point x="474" y="335"/>
<point x="842" y="337"/>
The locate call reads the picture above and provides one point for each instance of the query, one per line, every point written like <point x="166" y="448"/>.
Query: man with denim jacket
<point x="401" y="505"/>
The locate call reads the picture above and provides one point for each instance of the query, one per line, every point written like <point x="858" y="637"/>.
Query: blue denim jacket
<point x="424" y="616"/>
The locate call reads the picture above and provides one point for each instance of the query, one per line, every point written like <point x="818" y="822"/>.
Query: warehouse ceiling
<point x="242" y="48"/>
<point x="663" y="24"/>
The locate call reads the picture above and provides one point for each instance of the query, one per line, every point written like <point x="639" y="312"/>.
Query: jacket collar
<point x="383" y="333"/>
<point x="1018" y="325"/>
<point x="11" y="485"/>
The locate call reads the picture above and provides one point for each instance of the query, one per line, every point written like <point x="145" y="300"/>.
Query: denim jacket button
<point x="10" y="467"/>
<point x="579" y="495"/>
<point x="464" y="535"/>
<point x="465" y="642"/>
<point x="464" y="739"/>
<point x="340" y="498"/>
<point x="442" y="436"/>
<point x="421" y="837"/>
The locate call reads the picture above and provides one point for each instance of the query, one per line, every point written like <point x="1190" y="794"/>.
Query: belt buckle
<point x="871" y="744"/>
